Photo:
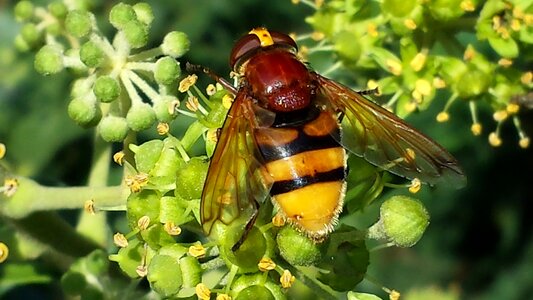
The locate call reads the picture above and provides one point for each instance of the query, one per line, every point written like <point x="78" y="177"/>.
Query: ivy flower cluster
<point x="481" y="66"/>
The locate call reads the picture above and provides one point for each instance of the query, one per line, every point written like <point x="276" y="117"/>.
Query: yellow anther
<point x="524" y="142"/>
<point x="411" y="106"/>
<point x="372" y="29"/>
<point x="394" y="295"/>
<point x="172" y="106"/>
<point x="410" y="24"/>
<point x="223" y="297"/>
<point x="2" y="150"/>
<point x="264" y="36"/>
<point x="443" y="117"/>
<point x="438" y="83"/>
<point x="415" y="186"/>
<point x="10" y="187"/>
<point x="287" y="279"/>
<point x="476" y="129"/>
<point x="202" y="291"/>
<point x="227" y="100"/>
<point x="266" y="264"/>
<point x="516" y="25"/>
<point x="470" y="52"/>
<point x="141" y="270"/>
<point x="4" y="252"/>
<point x="512" y="108"/>
<point x="162" y="128"/>
<point x="136" y="182"/>
<point x="143" y="222"/>
<point x="317" y="36"/>
<point x="467" y="5"/>
<point x="119" y="157"/>
<point x="394" y="66"/>
<point x="418" y="62"/>
<point x="88" y="207"/>
<point x="172" y="228"/>
<point x="187" y="82"/>
<point x="120" y="240"/>
<point x="496" y="22"/>
<point x="197" y="251"/>
<point x="526" y="78"/>
<point x="494" y="139"/>
<point x="210" y="90"/>
<point x="423" y="86"/>
<point x="500" y="115"/>
<point x="505" y="62"/>
<point x="192" y="103"/>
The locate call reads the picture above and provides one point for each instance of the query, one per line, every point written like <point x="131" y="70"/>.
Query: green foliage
<point x="127" y="83"/>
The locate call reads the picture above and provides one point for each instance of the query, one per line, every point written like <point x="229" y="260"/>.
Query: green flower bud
<point x="175" y="44"/>
<point x="23" y="10"/>
<point x="79" y="23"/>
<point x="402" y="221"/>
<point x="472" y="83"/>
<point x="113" y="129"/>
<point x="164" y="171"/>
<point x="140" y="117"/>
<point x="143" y="203"/>
<point x="20" y="44"/>
<point x="49" y="60"/>
<point x="136" y="33"/>
<point x="121" y="14"/>
<point x="156" y="236"/>
<point x="398" y="8"/>
<point x="446" y="10"/>
<point x="190" y="178"/>
<point x="256" y="246"/>
<point x="91" y="55"/>
<point x="296" y="248"/>
<point x="144" y="12"/>
<point x="54" y="28"/>
<point x="191" y="271"/>
<point x="58" y="9"/>
<point x="84" y="112"/>
<point x="167" y="70"/>
<point x="31" y="34"/>
<point x="164" y="108"/>
<point x="164" y="275"/>
<point x="147" y="155"/>
<point x="256" y="287"/>
<point x="129" y="258"/>
<point x="106" y="89"/>
<point x="348" y="47"/>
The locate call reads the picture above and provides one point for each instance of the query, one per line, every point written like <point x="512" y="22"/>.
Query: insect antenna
<point x="191" y="68"/>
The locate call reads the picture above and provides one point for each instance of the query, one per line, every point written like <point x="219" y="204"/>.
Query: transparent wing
<point x="234" y="180"/>
<point x="383" y="139"/>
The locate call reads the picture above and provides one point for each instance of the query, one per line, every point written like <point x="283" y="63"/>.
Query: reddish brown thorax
<point x="272" y="72"/>
<point x="279" y="80"/>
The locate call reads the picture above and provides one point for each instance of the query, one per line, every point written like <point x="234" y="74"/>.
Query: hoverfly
<point x="291" y="126"/>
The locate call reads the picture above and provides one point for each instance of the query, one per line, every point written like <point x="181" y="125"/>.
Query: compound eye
<point x="244" y="47"/>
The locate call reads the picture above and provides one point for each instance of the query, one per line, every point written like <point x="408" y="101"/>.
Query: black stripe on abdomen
<point x="280" y="187"/>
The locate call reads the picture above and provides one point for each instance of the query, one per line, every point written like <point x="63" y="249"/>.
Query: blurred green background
<point x="478" y="246"/>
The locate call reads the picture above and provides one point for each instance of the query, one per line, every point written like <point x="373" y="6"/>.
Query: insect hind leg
<point x="247" y="228"/>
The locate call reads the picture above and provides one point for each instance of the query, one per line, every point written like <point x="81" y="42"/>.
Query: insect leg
<point x="247" y="228"/>
<point x="197" y="68"/>
<point x="373" y="91"/>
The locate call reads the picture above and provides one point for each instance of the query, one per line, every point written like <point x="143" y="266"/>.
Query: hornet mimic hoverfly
<point x="292" y="126"/>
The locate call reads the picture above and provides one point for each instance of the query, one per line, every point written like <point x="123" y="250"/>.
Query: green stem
<point x="193" y="133"/>
<point x="32" y="197"/>
<point x="51" y="230"/>
<point x="94" y="226"/>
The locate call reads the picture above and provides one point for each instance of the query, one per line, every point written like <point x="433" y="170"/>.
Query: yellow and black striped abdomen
<point x="308" y="168"/>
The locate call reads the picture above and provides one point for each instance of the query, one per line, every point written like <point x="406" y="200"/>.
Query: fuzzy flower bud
<point x="23" y="10"/>
<point x="49" y="60"/>
<point x="402" y="221"/>
<point x="140" y="117"/>
<point x="113" y="129"/>
<point x="84" y="111"/>
<point x="167" y="70"/>
<point x="121" y="14"/>
<point x="91" y="55"/>
<point x="106" y="89"/>
<point x="144" y="12"/>
<point x="175" y="44"/>
<point x="78" y="23"/>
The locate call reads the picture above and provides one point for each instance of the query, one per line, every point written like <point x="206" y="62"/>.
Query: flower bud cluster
<point x="122" y="88"/>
